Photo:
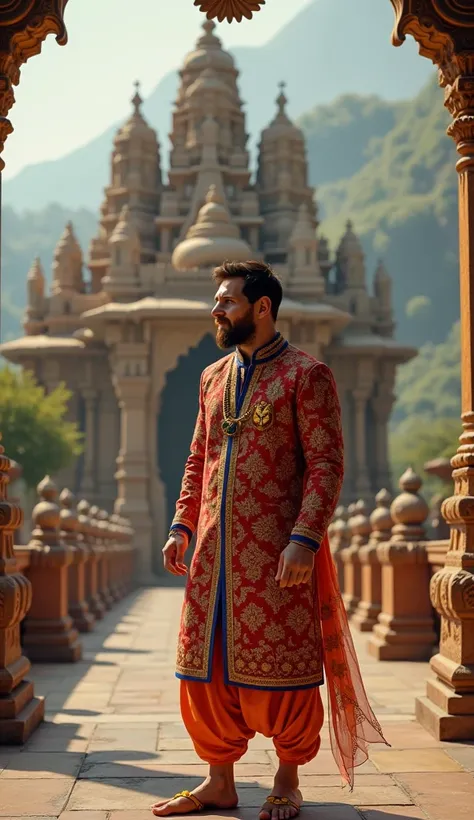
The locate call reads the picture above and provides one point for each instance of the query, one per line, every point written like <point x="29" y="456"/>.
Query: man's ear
<point x="265" y="306"/>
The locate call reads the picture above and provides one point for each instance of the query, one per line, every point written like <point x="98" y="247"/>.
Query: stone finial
<point x="340" y="535"/>
<point x="350" y="259"/>
<point x="282" y="99"/>
<point x="409" y="510"/>
<point x="68" y="262"/>
<point x="46" y="515"/>
<point x="360" y="524"/>
<point x="381" y="520"/>
<point x="69" y="521"/>
<point x="36" y="279"/>
<point x="137" y="99"/>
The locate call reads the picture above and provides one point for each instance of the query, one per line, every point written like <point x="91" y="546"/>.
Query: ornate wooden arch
<point x="24" y="25"/>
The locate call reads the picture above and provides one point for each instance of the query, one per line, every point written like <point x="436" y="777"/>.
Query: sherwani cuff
<point x="182" y="526"/>
<point x="311" y="542"/>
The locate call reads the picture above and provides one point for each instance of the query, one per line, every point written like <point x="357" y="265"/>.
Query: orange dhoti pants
<point x="221" y="719"/>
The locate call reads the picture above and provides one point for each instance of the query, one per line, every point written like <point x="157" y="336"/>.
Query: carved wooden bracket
<point x="444" y="31"/>
<point x="24" y="25"/>
<point x="229" y="9"/>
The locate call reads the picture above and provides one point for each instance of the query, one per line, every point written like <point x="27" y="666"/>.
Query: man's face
<point x="233" y="315"/>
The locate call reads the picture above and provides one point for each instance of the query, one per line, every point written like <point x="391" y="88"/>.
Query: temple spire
<point x="137" y="100"/>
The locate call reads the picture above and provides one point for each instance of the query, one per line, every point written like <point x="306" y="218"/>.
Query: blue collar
<point x="265" y="353"/>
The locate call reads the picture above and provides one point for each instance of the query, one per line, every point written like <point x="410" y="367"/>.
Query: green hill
<point x="426" y="424"/>
<point x="25" y="236"/>
<point x="342" y="136"/>
<point x="403" y="201"/>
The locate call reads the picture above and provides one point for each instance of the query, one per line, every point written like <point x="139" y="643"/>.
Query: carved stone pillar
<point x="89" y="481"/>
<point x="405" y="628"/>
<point x="382" y="406"/>
<point x="133" y="465"/>
<point x="370" y="602"/>
<point x="444" y="31"/>
<point x="78" y="607"/>
<point x="362" y="474"/>
<point x="20" y="710"/>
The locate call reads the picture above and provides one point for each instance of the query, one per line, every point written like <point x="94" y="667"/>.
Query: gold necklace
<point x="231" y="424"/>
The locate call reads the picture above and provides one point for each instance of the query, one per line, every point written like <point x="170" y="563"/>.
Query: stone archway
<point x="177" y="416"/>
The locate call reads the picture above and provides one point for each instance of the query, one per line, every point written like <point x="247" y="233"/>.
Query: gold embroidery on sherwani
<point x="269" y="499"/>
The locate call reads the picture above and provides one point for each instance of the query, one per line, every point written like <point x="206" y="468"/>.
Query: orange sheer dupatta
<point x="352" y="723"/>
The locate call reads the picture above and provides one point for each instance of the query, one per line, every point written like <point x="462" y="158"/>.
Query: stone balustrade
<point x="385" y="563"/>
<point x="78" y="563"/>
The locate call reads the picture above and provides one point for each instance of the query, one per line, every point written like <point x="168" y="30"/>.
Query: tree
<point x="420" y="439"/>
<point x="34" y="428"/>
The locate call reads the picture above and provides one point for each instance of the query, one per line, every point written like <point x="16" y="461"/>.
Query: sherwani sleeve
<point x="189" y="502"/>
<point x="318" y="417"/>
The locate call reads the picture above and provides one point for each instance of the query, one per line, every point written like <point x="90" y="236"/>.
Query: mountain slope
<point x="341" y="136"/>
<point x="404" y="205"/>
<point x="330" y="48"/>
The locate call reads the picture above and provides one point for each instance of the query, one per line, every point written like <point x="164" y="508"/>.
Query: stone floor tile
<point x="414" y="760"/>
<point x="125" y="793"/>
<point x="22" y="798"/>
<point x="146" y="768"/>
<point x="324" y="763"/>
<point x="83" y="815"/>
<point x="406" y="735"/>
<point x="447" y="796"/>
<point x="464" y="756"/>
<point x="391" y="795"/>
<point x="41" y="765"/>
<point x="393" y="812"/>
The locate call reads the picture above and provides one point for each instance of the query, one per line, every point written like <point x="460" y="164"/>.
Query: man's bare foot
<point x="285" y="788"/>
<point x="217" y="791"/>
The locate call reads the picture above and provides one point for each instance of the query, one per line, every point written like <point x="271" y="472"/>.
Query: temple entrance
<point x="177" y="417"/>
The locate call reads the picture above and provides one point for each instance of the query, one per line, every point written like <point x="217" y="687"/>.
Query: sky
<point x="68" y="95"/>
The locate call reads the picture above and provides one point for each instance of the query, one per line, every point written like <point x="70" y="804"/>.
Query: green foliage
<point x="342" y="136"/>
<point x="403" y="202"/>
<point x="430" y="385"/>
<point x="421" y="439"/>
<point x="417" y="306"/>
<point x="34" y="429"/>
<point x="426" y="422"/>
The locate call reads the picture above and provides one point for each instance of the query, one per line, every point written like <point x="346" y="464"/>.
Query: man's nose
<point x="217" y="311"/>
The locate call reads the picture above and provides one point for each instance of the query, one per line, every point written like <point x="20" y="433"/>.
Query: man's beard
<point x="237" y="334"/>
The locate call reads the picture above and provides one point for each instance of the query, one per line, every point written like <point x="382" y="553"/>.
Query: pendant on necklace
<point x="230" y="427"/>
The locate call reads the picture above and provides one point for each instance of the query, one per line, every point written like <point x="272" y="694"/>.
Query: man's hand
<point x="173" y="553"/>
<point x="296" y="565"/>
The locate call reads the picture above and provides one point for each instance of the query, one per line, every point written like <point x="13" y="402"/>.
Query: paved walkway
<point x="113" y="741"/>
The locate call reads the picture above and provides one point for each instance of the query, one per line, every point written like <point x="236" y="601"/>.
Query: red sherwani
<point x="278" y="479"/>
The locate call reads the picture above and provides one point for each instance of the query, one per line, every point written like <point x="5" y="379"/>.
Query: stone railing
<point x="77" y="564"/>
<point x="385" y="562"/>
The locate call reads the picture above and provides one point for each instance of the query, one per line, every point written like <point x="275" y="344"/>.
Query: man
<point x="262" y="613"/>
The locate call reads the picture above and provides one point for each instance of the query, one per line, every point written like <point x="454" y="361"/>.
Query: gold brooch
<point x="262" y="417"/>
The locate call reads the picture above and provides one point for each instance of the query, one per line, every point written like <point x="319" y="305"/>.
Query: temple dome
<point x="282" y="126"/>
<point x="208" y="52"/>
<point x="136" y="126"/>
<point x="212" y="239"/>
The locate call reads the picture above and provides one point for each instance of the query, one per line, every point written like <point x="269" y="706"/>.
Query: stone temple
<point x="131" y="339"/>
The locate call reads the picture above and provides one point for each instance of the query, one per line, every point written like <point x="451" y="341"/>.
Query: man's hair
<point x="259" y="280"/>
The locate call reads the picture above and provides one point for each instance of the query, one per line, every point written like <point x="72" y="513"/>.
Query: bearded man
<point x="263" y="617"/>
